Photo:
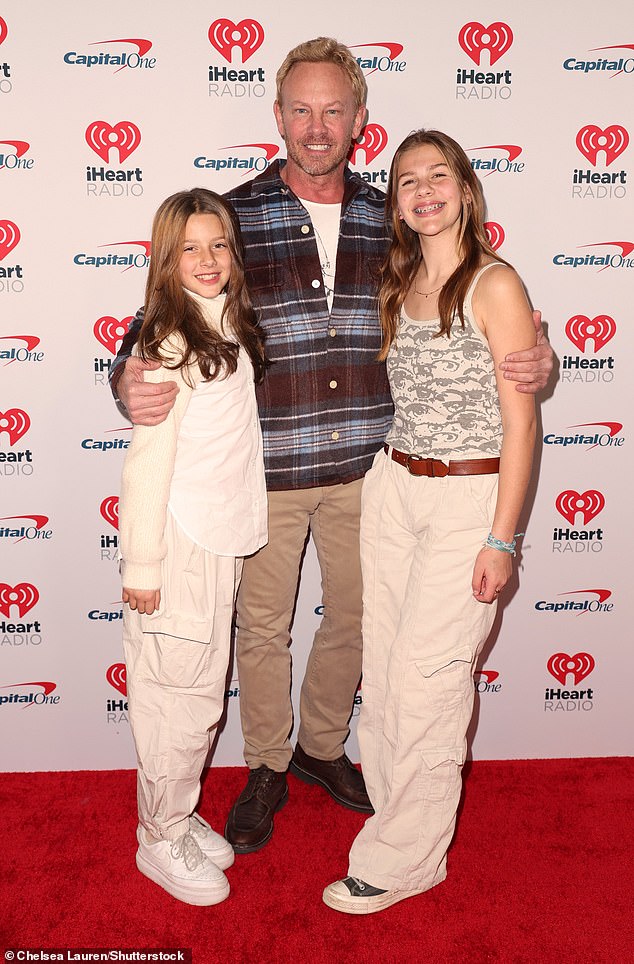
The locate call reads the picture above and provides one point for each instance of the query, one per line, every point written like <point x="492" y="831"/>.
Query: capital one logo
<point x="224" y="35"/>
<point x="109" y="331"/>
<point x="599" y="330"/>
<point x="612" y="141"/>
<point x="580" y="665"/>
<point x="124" y="137"/>
<point x="16" y="423"/>
<point x="24" y="596"/>
<point x="474" y="37"/>
<point x="372" y="140"/>
<point x="589" y="503"/>
<point x="9" y="237"/>
<point x="495" y="234"/>
<point x="109" y="509"/>
<point x="19" y="150"/>
<point x="116" y="676"/>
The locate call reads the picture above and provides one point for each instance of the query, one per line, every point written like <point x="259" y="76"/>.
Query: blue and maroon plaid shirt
<point x="325" y="403"/>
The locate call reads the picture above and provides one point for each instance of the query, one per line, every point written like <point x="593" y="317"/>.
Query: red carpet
<point x="541" y="871"/>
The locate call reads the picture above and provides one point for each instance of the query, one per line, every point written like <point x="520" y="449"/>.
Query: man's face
<point x="317" y="117"/>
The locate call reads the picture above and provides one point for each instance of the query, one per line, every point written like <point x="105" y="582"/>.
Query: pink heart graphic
<point x="109" y="331"/>
<point x="580" y="665"/>
<point x="109" y="509"/>
<point x="612" y="141"/>
<point x="116" y="676"/>
<point x="581" y="329"/>
<point x="125" y="137"/>
<point x="224" y="35"/>
<point x="589" y="503"/>
<point x="9" y="237"/>
<point x="474" y="37"/>
<point x="24" y="596"/>
<point x="15" y="423"/>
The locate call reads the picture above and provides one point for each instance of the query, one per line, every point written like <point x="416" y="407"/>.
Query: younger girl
<point x="438" y="523"/>
<point x="193" y="503"/>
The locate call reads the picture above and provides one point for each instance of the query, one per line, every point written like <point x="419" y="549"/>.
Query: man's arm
<point x="144" y="403"/>
<point x="530" y="368"/>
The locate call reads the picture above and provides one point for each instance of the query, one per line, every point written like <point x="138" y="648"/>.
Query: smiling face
<point x="429" y="197"/>
<point x="205" y="263"/>
<point x="318" y="118"/>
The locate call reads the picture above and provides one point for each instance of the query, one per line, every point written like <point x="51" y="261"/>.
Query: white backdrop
<point x="104" y="111"/>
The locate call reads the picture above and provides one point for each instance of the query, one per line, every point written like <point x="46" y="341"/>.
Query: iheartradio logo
<point x="9" y="237"/>
<point x="4" y="30"/>
<point x="109" y="331"/>
<point x="24" y="596"/>
<point x="224" y="35"/>
<point x="109" y="509"/>
<point x="495" y="234"/>
<point x="589" y="503"/>
<point x="580" y="665"/>
<point x="116" y="676"/>
<point x="474" y="38"/>
<point x="372" y="140"/>
<point x="15" y="423"/>
<point x="599" y="330"/>
<point x="612" y="141"/>
<point x="124" y="137"/>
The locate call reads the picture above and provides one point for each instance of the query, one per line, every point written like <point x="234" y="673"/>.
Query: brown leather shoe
<point x="339" y="778"/>
<point x="250" y="822"/>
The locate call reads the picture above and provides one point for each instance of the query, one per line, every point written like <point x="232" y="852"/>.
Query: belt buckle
<point x="415" y="458"/>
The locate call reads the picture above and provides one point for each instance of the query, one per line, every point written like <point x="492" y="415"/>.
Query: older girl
<point x="439" y="515"/>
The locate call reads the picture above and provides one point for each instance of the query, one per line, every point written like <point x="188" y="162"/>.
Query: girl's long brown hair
<point x="404" y="255"/>
<point x="168" y="308"/>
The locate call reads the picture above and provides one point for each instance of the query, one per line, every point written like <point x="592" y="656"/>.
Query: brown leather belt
<point x="435" y="469"/>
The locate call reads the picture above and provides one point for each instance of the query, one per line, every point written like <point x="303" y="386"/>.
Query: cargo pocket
<point x="448" y="690"/>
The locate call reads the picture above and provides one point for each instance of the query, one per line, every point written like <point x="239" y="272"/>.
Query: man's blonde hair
<point x="325" y="50"/>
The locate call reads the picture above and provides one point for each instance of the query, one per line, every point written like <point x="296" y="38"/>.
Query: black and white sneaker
<point x="354" y="896"/>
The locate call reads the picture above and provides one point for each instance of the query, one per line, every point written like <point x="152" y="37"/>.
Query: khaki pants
<point x="265" y="611"/>
<point x="422" y="632"/>
<point x="176" y="667"/>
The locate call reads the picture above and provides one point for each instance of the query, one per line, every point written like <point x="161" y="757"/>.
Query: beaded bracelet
<point x="494" y="543"/>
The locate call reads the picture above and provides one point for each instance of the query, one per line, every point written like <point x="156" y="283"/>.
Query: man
<point x="315" y="236"/>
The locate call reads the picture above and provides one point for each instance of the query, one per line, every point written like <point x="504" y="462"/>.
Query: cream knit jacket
<point x="148" y="468"/>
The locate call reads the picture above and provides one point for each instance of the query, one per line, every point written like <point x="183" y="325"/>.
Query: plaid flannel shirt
<point x="325" y="404"/>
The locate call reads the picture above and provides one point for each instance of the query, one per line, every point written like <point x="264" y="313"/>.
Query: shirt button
<point x="305" y="229"/>
<point x="333" y="384"/>
<point x="315" y="283"/>
<point x="332" y="332"/>
<point x="335" y="435"/>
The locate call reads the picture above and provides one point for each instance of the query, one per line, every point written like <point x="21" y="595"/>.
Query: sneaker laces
<point x="187" y="848"/>
<point x="360" y="883"/>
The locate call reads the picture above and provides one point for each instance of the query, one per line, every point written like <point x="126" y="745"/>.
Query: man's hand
<point x="148" y="403"/>
<point x="530" y="368"/>
<point x="145" y="601"/>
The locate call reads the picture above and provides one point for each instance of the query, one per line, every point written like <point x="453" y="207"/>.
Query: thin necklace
<point x="426" y="294"/>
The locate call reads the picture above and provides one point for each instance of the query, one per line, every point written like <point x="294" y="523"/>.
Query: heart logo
<point x="9" y="237"/>
<point x="224" y="35"/>
<point x="4" y="30"/>
<point x="125" y="137"/>
<point x="109" y="509"/>
<point x="15" y="423"/>
<point x="475" y="37"/>
<point x="116" y="676"/>
<point x="580" y="665"/>
<point x="109" y="331"/>
<point x="612" y="141"/>
<point x="581" y="329"/>
<point x="495" y="234"/>
<point x="589" y="503"/>
<point x="24" y="596"/>
<point x="372" y="140"/>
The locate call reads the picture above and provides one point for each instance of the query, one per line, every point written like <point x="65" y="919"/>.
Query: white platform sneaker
<point x="181" y="868"/>
<point x="219" y="850"/>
